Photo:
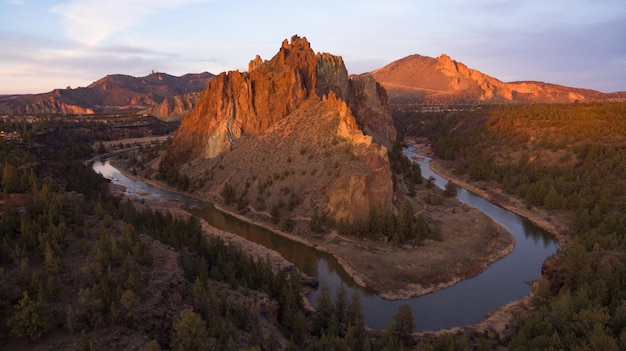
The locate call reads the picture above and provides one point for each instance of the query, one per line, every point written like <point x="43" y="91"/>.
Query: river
<point x="464" y="303"/>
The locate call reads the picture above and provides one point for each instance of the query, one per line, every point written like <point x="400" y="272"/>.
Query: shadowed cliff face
<point x="174" y="108"/>
<point x="352" y="195"/>
<point x="311" y="95"/>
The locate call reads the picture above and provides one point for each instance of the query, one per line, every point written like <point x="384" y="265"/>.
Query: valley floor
<point x="555" y="224"/>
<point x="471" y="242"/>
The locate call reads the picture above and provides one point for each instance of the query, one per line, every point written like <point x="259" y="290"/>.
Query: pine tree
<point x="404" y="324"/>
<point x="324" y="311"/>
<point x="552" y="200"/>
<point x="341" y="307"/>
<point x="356" y="321"/>
<point x="190" y="332"/>
<point x="31" y="318"/>
<point x="10" y="179"/>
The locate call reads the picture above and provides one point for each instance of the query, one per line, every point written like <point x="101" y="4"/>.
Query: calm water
<point x="464" y="303"/>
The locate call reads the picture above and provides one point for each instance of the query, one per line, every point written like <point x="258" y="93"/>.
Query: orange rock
<point x="236" y="103"/>
<point x="297" y="85"/>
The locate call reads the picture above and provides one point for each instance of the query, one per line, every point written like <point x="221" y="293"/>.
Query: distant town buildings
<point x="7" y="136"/>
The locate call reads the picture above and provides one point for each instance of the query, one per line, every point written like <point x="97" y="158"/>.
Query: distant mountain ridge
<point x="414" y="79"/>
<point x="160" y="94"/>
<point x="426" y="80"/>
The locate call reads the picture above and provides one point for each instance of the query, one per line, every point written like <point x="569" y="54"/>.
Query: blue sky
<point x="46" y="44"/>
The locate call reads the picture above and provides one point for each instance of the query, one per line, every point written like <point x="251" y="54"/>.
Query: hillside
<point x="296" y="122"/>
<point x="564" y="163"/>
<point x="420" y="79"/>
<point x="159" y="94"/>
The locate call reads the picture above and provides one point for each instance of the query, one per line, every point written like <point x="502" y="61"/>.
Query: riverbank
<point x="555" y="224"/>
<point x="497" y="321"/>
<point x="470" y="243"/>
<point x="258" y="252"/>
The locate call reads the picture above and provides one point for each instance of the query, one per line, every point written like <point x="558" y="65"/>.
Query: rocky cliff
<point x="174" y="108"/>
<point x="52" y="102"/>
<point x="442" y="80"/>
<point x="297" y="116"/>
<point x="169" y="97"/>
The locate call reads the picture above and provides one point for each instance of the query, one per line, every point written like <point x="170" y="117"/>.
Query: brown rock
<point x="115" y="93"/>
<point x="368" y="100"/>
<point x="442" y="80"/>
<point x="235" y="103"/>
<point x="295" y="97"/>
<point x="174" y="108"/>
<point x="167" y="290"/>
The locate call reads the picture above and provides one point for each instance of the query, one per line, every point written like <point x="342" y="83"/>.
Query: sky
<point x="49" y="44"/>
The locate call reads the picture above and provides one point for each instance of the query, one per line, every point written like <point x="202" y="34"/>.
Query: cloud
<point x="34" y="65"/>
<point x="91" y="21"/>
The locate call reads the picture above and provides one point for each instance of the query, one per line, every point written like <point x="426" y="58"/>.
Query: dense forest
<point x="81" y="269"/>
<point x="569" y="159"/>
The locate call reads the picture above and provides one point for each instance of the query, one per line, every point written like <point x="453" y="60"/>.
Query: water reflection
<point x="464" y="303"/>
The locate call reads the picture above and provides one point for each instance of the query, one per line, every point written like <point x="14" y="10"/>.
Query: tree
<point x="31" y="318"/>
<point x="324" y="311"/>
<point x="356" y="321"/>
<point x="101" y="149"/>
<point x="128" y="302"/>
<point x="228" y="193"/>
<point x="51" y="261"/>
<point x="190" y="332"/>
<point x="341" y="306"/>
<point x="450" y="190"/>
<point x="10" y="179"/>
<point x="552" y="200"/>
<point x="404" y="324"/>
<point x="152" y="345"/>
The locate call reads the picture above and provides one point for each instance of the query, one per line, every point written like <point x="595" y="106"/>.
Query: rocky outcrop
<point x="252" y="101"/>
<point x="442" y="80"/>
<point x="174" y="108"/>
<point x="167" y="290"/>
<point x="42" y="106"/>
<point x="236" y="102"/>
<point x="352" y="195"/>
<point x="368" y="100"/>
<point x="332" y="76"/>
<point x="297" y="99"/>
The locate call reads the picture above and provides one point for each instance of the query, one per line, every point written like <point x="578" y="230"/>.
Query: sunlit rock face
<point x="295" y="88"/>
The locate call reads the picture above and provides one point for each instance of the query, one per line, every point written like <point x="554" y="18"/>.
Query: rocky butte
<point x="294" y="135"/>
<point x="442" y="80"/>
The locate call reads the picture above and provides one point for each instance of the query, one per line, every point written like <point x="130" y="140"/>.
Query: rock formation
<point x="298" y="100"/>
<point x="442" y="80"/>
<point x="174" y="108"/>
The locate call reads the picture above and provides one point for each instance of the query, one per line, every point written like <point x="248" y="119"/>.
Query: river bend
<point x="464" y="303"/>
